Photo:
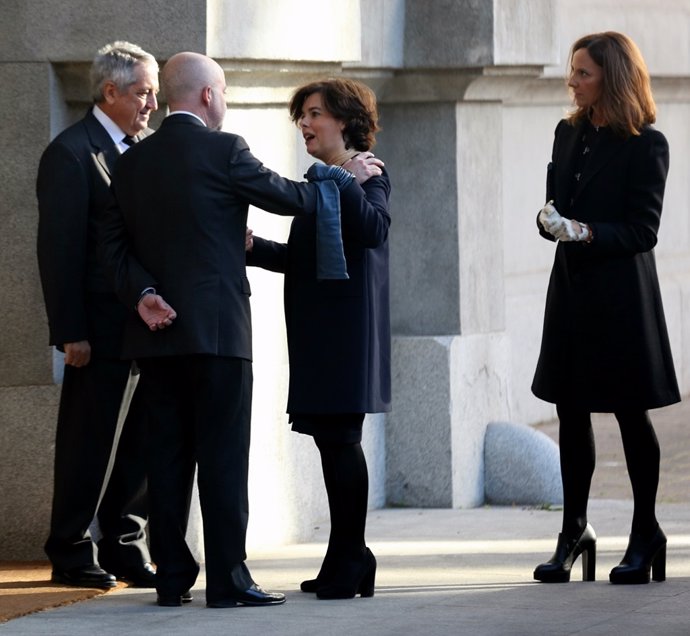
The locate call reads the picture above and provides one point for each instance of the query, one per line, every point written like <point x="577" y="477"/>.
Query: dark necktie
<point x="129" y="141"/>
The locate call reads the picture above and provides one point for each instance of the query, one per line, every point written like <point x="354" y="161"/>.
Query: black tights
<point x="578" y="457"/>
<point x="347" y="484"/>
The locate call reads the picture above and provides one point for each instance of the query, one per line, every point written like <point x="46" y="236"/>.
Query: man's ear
<point x="206" y="95"/>
<point x="110" y="92"/>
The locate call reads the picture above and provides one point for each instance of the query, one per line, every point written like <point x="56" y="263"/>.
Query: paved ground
<point x="447" y="572"/>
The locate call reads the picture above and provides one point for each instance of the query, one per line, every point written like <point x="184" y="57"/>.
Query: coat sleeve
<point x="266" y="189"/>
<point x="268" y="255"/>
<point x="62" y="188"/>
<point x="365" y="218"/>
<point x="550" y="189"/>
<point x="122" y="269"/>
<point x="549" y="197"/>
<point x="649" y="164"/>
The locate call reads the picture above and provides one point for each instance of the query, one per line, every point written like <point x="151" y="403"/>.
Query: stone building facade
<point x="470" y="92"/>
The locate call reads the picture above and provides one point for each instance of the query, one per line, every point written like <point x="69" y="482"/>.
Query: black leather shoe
<point x="169" y="601"/>
<point x="138" y="576"/>
<point x="174" y="601"/>
<point x="85" y="576"/>
<point x="254" y="596"/>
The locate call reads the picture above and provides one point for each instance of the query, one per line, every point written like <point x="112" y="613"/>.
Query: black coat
<point x="338" y="331"/>
<point x="605" y="346"/>
<point x="178" y="224"/>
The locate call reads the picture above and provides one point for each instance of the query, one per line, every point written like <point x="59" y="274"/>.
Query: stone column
<point x="443" y="141"/>
<point x="450" y="354"/>
<point x="28" y="398"/>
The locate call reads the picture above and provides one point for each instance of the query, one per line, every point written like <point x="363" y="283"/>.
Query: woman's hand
<point x="561" y="228"/>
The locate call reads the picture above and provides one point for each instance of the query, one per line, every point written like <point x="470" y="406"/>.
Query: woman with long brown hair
<point x="605" y="346"/>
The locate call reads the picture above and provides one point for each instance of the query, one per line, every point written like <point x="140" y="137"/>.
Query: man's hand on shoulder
<point x="155" y="312"/>
<point x="364" y="166"/>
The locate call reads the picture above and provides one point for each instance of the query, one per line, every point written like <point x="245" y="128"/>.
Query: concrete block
<point x="521" y="466"/>
<point x="72" y="30"/>
<point x="481" y="276"/>
<point x="28" y="417"/>
<point x="445" y="391"/>
<point x="646" y="21"/>
<point x="26" y="357"/>
<point x="270" y="29"/>
<point x="383" y="25"/>
<point x="418" y="431"/>
<point x="418" y="146"/>
<point x="452" y="34"/>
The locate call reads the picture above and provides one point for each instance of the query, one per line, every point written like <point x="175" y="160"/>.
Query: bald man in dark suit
<point x="174" y="243"/>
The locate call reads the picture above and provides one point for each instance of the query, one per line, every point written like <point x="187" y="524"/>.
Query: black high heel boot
<point x="351" y="578"/>
<point x="642" y="556"/>
<point x="557" y="568"/>
<point x="311" y="585"/>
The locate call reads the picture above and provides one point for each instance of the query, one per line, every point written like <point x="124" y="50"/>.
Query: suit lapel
<point x="105" y="152"/>
<point x="107" y="158"/>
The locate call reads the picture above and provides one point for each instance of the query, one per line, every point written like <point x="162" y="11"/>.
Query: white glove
<point x="559" y="227"/>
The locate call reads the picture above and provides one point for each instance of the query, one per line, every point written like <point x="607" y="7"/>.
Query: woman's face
<point x="323" y="133"/>
<point x="586" y="79"/>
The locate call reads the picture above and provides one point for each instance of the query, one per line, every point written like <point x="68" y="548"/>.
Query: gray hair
<point x="116" y="62"/>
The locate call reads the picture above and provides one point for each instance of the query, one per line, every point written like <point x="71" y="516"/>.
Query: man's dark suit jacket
<point x="182" y="197"/>
<point x="80" y="302"/>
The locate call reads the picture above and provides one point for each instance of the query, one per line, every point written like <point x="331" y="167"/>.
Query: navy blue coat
<point x="338" y="331"/>
<point x="605" y="346"/>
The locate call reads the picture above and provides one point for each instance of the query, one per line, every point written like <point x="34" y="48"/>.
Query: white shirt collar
<point x="111" y="128"/>
<point x="186" y="112"/>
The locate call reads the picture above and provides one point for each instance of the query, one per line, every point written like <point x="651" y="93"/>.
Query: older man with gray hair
<point x="86" y="322"/>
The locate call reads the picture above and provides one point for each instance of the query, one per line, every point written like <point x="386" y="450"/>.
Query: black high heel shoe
<point x="350" y="579"/>
<point x="557" y="568"/>
<point x="324" y="575"/>
<point x="642" y="556"/>
<point x="310" y="585"/>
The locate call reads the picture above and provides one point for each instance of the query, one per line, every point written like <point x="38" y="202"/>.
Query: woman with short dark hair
<point x="338" y="330"/>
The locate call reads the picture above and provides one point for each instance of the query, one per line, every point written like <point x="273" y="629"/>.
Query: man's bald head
<point x="185" y="80"/>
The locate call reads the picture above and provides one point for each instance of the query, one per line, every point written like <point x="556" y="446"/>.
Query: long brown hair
<point x="626" y="101"/>
<point x="350" y="102"/>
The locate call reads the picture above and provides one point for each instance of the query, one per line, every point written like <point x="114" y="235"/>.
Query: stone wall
<point x="470" y="93"/>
